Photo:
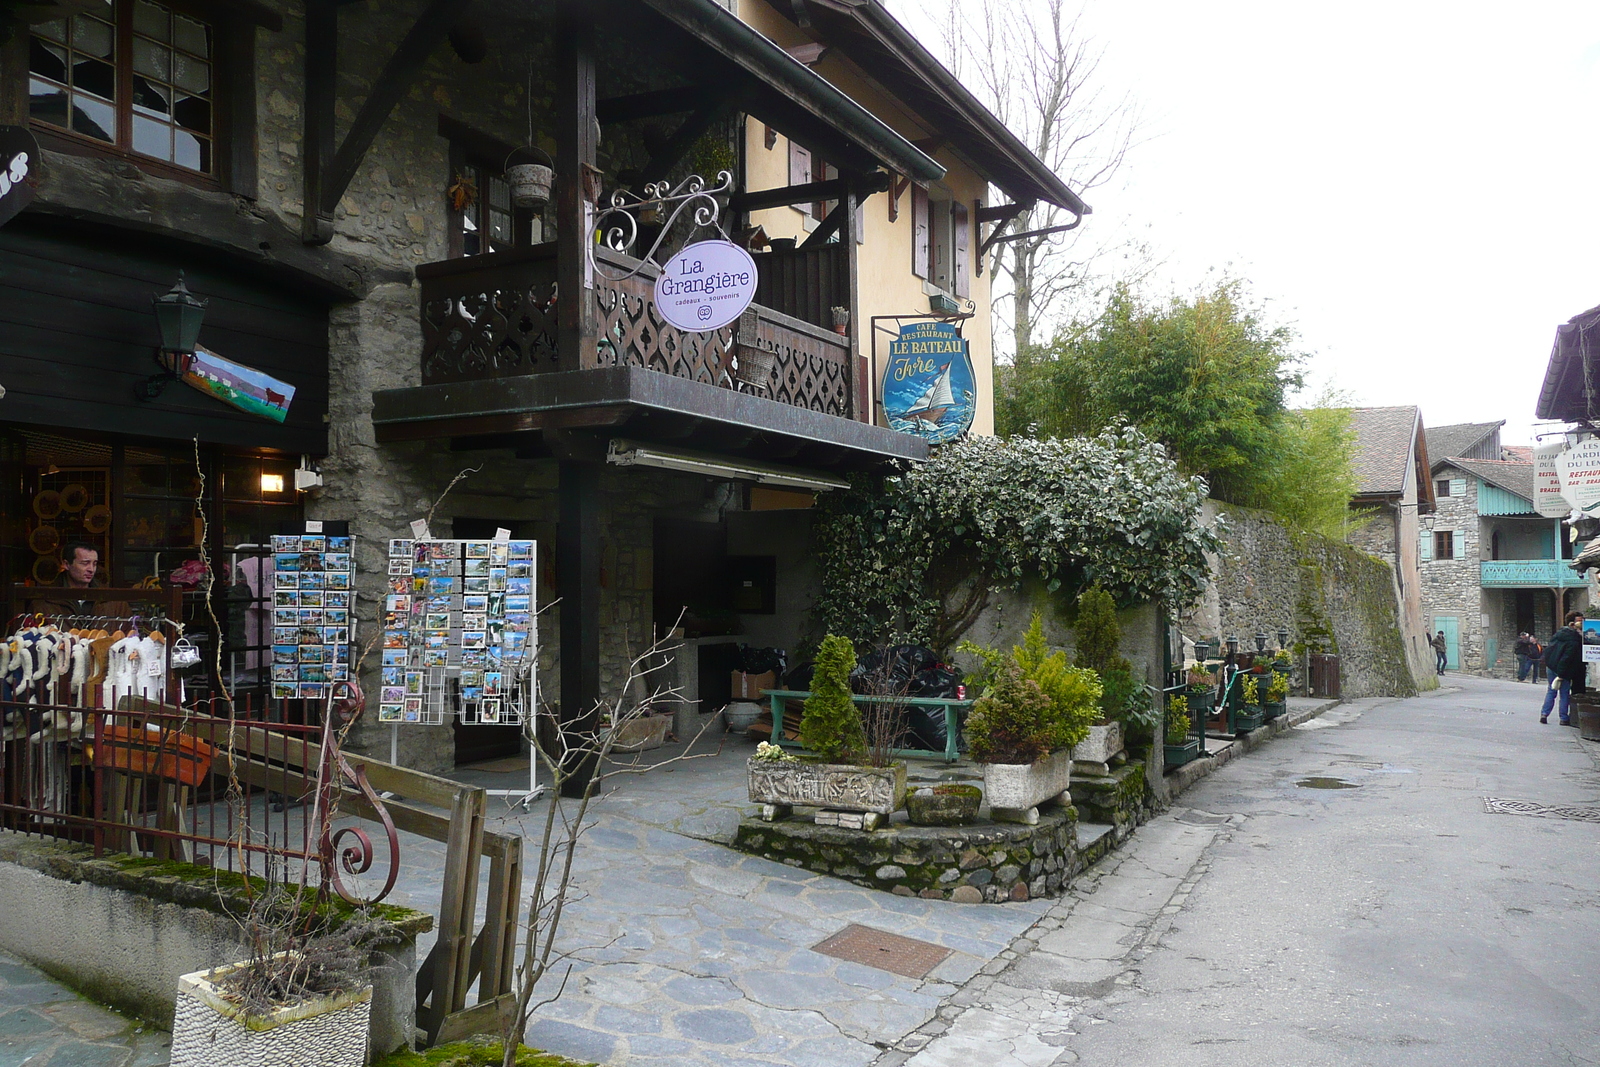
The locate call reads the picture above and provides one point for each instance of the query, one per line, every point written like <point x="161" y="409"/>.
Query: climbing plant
<point x="914" y="556"/>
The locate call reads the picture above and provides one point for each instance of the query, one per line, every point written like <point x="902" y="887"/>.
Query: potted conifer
<point x="1181" y="746"/>
<point x="839" y="778"/>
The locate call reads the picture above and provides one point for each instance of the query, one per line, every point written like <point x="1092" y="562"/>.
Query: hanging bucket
<point x="529" y="172"/>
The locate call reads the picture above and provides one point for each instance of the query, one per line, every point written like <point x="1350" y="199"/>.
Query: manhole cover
<point x="1496" y="806"/>
<point x="1321" y="782"/>
<point x="889" y="952"/>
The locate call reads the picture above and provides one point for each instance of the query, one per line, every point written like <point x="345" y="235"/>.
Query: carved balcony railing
<point x="1529" y="574"/>
<point x="494" y="316"/>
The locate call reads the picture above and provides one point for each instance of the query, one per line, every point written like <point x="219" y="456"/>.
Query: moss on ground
<point x="475" y="1053"/>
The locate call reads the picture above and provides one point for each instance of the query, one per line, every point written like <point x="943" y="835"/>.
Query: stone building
<point x="1392" y="490"/>
<point x="1491" y="566"/>
<point x="331" y="177"/>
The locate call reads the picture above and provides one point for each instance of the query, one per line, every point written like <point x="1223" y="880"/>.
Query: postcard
<point x="393" y="675"/>
<point x="399" y="566"/>
<point x="312" y="690"/>
<point x="285" y="616"/>
<point x="473" y="639"/>
<point x="476" y="568"/>
<point x="286" y="561"/>
<point x="311" y="599"/>
<point x="286" y="653"/>
<point x="518" y="619"/>
<point x="498" y="580"/>
<point x="439" y="551"/>
<point x="413" y="705"/>
<point x="474" y="657"/>
<point x="308" y="635"/>
<point x="498" y="552"/>
<point x="341" y="543"/>
<point x="338" y="579"/>
<point x="311" y="561"/>
<point x="336" y="616"/>
<point x="284" y="691"/>
<point x="473" y="620"/>
<point x="436" y="620"/>
<point x="520" y="549"/>
<point x="336" y="635"/>
<point x="313" y="580"/>
<point x="444" y="586"/>
<point x="436" y="640"/>
<point x="336" y="598"/>
<point x="520" y="568"/>
<point x="471" y="694"/>
<point x="413" y="714"/>
<point x="474" y="602"/>
<point x="313" y="672"/>
<point x="395" y="657"/>
<point x="336" y="561"/>
<point x="313" y="653"/>
<point x="388" y="712"/>
<point x="313" y="543"/>
<point x="520" y="602"/>
<point x="471" y="677"/>
<point x="285" y="672"/>
<point x="491" y="683"/>
<point x="286" y="635"/>
<point x="475" y="585"/>
<point x="477" y="549"/>
<point x="286" y="543"/>
<point x="309" y="616"/>
<point x="392" y="694"/>
<point x="435" y="657"/>
<point x="339" y="672"/>
<point x="519" y="586"/>
<point x="285" y="598"/>
<point x="413" y="683"/>
<point x="400" y="583"/>
<point x="286" y="579"/>
<point x="399" y="546"/>
<point x="489" y="711"/>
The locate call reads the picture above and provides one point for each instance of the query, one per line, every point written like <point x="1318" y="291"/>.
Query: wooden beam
<point x="898" y="185"/>
<point x="828" y="226"/>
<point x="317" y="143"/>
<point x="649" y="105"/>
<point x="426" y="34"/>
<point x="859" y="190"/>
<point x="832" y="189"/>
<point x="694" y="127"/>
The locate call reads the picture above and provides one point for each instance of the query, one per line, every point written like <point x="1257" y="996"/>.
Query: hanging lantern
<point x="530" y="173"/>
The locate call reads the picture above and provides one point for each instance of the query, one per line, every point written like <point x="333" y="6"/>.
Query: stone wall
<point x="1327" y="594"/>
<point x="1450" y="586"/>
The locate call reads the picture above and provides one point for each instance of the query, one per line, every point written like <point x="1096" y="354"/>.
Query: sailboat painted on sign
<point x="928" y="386"/>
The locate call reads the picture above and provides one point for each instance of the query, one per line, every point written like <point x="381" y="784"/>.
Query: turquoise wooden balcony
<point x="1529" y="574"/>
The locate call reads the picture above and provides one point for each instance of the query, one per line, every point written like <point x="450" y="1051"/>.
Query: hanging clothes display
<point x="84" y="661"/>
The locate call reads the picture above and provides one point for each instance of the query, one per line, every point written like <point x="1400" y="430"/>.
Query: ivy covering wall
<point x="914" y="556"/>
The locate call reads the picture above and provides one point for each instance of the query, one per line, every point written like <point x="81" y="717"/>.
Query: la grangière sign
<point x="706" y="286"/>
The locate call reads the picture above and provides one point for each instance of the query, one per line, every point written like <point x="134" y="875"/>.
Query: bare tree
<point x="562" y="747"/>
<point x="1030" y="63"/>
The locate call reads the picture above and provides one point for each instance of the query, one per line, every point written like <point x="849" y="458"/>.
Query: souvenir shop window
<point x="133" y="76"/>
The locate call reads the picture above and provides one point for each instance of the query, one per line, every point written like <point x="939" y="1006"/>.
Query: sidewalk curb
<point x="1187" y="775"/>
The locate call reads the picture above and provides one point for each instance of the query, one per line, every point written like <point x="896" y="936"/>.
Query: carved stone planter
<point x="208" y="1030"/>
<point x="1015" y="790"/>
<point x="1103" y="742"/>
<point x="779" y="785"/>
<point x="642" y="734"/>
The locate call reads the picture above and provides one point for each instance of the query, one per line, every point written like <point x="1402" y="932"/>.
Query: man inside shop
<point x="80" y="564"/>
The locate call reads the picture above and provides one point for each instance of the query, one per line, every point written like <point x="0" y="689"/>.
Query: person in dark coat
<point x="1524" y="649"/>
<point x="1563" y="657"/>
<point x="1441" y="651"/>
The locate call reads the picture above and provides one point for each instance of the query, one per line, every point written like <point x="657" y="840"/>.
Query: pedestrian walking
<point x="1563" y="655"/>
<point x="1524" y="649"/>
<point x="1539" y="673"/>
<point x="1440" y="650"/>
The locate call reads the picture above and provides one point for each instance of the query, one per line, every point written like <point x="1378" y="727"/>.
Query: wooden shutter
<point x="1458" y="487"/>
<point x="921" y="226"/>
<point x="1458" y="542"/>
<point x="1425" y="546"/>
<point x="800" y="169"/>
<point x="960" y="269"/>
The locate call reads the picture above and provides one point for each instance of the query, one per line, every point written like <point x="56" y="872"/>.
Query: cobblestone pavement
<point x="1344" y="895"/>
<point x="44" y="1024"/>
<point x="689" y="953"/>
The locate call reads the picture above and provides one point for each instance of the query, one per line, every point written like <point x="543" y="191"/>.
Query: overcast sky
<point x="1415" y="187"/>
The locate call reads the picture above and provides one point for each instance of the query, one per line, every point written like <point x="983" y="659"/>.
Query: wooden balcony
<point x="494" y="316"/>
<point x="1529" y="574"/>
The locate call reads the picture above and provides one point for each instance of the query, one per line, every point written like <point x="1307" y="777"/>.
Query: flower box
<point x="1247" y="718"/>
<point x="1272" y="709"/>
<point x="1015" y="790"/>
<point x="211" y="1030"/>
<point x="1104" y="741"/>
<point x="1201" y="697"/>
<point x="835" y="786"/>
<point x="1178" y="755"/>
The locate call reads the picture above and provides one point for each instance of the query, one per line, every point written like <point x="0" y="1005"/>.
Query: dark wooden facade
<point x="77" y="336"/>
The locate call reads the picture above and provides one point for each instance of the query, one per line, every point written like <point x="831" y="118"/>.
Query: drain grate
<point x="1497" y="806"/>
<point x="888" y="952"/>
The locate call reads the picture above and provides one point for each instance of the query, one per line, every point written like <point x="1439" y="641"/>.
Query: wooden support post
<point x="575" y="148"/>
<point x="861" y="398"/>
<point x="447" y="966"/>
<point x="578" y="578"/>
<point x="322" y="68"/>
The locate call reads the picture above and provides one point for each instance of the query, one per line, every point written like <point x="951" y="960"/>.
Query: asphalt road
<point x="1343" y="895"/>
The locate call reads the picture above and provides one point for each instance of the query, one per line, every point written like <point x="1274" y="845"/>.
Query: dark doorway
<point x="476" y="743"/>
<point x="691" y="579"/>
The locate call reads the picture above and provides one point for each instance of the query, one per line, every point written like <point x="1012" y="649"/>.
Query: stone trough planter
<point x="943" y="805"/>
<point x="1103" y="742"/>
<point x="209" y="1030"/>
<point x="780" y="785"/>
<point x="1015" y="790"/>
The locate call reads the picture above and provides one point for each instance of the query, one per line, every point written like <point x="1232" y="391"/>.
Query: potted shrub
<point x="839" y="779"/>
<point x="1181" y="746"/>
<point x="1202" y="689"/>
<point x="1122" y="698"/>
<point x="1276" y="701"/>
<point x="1248" y="716"/>
<point x="1280" y="662"/>
<point x="1034" y="708"/>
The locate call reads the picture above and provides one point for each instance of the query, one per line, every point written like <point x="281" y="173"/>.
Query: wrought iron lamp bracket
<point x="618" y="223"/>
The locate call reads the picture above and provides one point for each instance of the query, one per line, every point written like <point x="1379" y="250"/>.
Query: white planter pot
<point x="837" y="787"/>
<point x="1021" y="786"/>
<point x="208" y="1030"/>
<point x="1103" y="742"/>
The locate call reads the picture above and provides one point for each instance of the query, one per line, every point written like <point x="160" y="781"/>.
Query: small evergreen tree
<point x="1011" y="722"/>
<point x="831" y="726"/>
<point x="1099" y="638"/>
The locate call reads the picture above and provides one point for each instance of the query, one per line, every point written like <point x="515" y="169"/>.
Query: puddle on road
<point x="1321" y="782"/>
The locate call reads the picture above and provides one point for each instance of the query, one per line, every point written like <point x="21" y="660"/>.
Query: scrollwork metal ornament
<point x="348" y="850"/>
<point x="618" y="223"/>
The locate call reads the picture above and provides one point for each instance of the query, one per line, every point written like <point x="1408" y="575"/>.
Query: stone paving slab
<point x="44" y="1024"/>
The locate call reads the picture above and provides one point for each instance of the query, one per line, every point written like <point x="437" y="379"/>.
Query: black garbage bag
<point x="757" y="660"/>
<point x="799" y="679"/>
<point x="890" y="671"/>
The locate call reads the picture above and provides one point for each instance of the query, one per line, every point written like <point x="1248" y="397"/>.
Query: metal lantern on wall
<point x="1200" y="650"/>
<point x="179" y="314"/>
<point x="1283" y="637"/>
<point x="1261" y="642"/>
<point x="1233" y="645"/>
<point x="530" y="172"/>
